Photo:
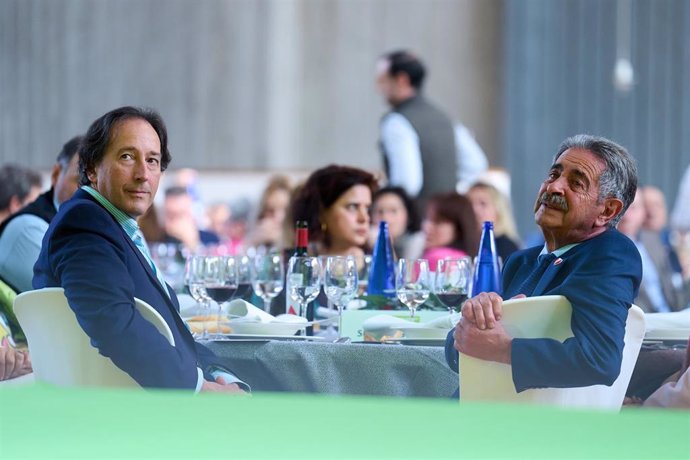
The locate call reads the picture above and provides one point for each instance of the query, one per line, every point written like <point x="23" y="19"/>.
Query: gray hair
<point x="619" y="179"/>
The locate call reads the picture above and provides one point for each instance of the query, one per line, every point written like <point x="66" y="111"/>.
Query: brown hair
<point x="323" y="188"/>
<point x="457" y="209"/>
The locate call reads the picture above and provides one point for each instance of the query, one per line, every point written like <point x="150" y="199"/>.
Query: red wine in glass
<point x="220" y="293"/>
<point x="452" y="300"/>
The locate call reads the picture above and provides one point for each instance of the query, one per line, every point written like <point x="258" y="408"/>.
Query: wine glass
<point x="412" y="282"/>
<point x="194" y="275"/>
<point x="221" y="281"/>
<point x="268" y="277"/>
<point x="452" y="281"/>
<point x="244" y="276"/>
<point x="363" y="275"/>
<point x="303" y="281"/>
<point x="340" y="282"/>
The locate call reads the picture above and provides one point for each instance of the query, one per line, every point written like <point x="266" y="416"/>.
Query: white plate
<point x="417" y="332"/>
<point x="266" y="337"/>
<point x="257" y="328"/>
<point x="418" y="342"/>
<point x="667" y="334"/>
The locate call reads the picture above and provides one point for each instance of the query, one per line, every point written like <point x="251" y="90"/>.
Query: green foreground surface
<point x="47" y="422"/>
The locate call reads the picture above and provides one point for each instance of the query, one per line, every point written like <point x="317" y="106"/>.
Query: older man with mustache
<point x="590" y="184"/>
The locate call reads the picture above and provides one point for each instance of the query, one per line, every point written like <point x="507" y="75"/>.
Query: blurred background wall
<point x="287" y="85"/>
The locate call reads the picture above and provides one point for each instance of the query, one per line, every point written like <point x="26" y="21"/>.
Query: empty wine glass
<point x="363" y="275"/>
<point x="340" y="282"/>
<point x="453" y="281"/>
<point x="303" y="281"/>
<point x="221" y="282"/>
<point x="412" y="282"/>
<point x="194" y="275"/>
<point x="268" y="277"/>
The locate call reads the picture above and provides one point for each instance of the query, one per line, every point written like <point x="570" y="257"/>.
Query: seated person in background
<point x="95" y="251"/>
<point x="273" y="208"/>
<point x="19" y="186"/>
<point x="21" y="234"/>
<point x="590" y="184"/>
<point x="335" y="202"/>
<point x="179" y="223"/>
<point x="218" y="216"/>
<point x="657" y="291"/>
<point x="450" y="228"/>
<point x="656" y="226"/>
<point x="393" y="205"/>
<point x="490" y="204"/>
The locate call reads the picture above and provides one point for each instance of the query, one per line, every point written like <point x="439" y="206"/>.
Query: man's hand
<point x="483" y="310"/>
<point x="219" y="386"/>
<point x="13" y="363"/>
<point x="489" y="344"/>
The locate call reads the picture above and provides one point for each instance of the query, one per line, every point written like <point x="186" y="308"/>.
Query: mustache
<point x="554" y="201"/>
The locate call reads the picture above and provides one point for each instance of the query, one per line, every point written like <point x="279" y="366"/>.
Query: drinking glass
<point x="194" y="276"/>
<point x="303" y="281"/>
<point x="244" y="276"/>
<point x="453" y="281"/>
<point x="363" y="275"/>
<point x="221" y="281"/>
<point x="412" y="282"/>
<point x="268" y="277"/>
<point x="340" y="282"/>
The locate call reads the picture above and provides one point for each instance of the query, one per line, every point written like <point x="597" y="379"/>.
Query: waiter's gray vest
<point x="436" y="144"/>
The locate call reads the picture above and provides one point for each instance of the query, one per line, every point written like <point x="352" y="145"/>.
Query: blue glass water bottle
<point x="487" y="271"/>
<point x="382" y="269"/>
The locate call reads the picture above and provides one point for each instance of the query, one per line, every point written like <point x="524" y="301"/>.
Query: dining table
<point x="365" y="368"/>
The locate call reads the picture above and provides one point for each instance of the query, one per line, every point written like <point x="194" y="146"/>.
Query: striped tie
<point x="138" y="239"/>
<point x="543" y="261"/>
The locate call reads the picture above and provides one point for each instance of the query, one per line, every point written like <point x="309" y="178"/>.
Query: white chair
<point x="547" y="316"/>
<point x="61" y="352"/>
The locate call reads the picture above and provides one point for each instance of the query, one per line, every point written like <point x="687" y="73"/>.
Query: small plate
<point x="418" y="342"/>
<point x="667" y="334"/>
<point x="265" y="338"/>
<point x="417" y="332"/>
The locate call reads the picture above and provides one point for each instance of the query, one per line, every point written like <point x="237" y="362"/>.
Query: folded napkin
<point x="382" y="327"/>
<point x="248" y="319"/>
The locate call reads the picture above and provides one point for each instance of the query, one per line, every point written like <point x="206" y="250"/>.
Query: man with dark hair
<point x="18" y="187"/>
<point x="96" y="252"/>
<point x="417" y="139"/>
<point x="590" y="184"/>
<point x="21" y="235"/>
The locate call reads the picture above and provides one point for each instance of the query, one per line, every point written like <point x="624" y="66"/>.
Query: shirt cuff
<point x="199" y="380"/>
<point x="230" y="378"/>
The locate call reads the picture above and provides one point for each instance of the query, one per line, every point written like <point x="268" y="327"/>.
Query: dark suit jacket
<point x="600" y="277"/>
<point x="677" y="297"/>
<point x="87" y="252"/>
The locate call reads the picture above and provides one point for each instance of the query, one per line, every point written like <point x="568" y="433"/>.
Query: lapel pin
<point x="558" y="261"/>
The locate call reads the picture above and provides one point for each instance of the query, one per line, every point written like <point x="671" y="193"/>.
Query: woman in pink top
<point x="450" y="228"/>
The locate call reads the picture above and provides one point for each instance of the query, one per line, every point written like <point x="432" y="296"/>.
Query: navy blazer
<point x="600" y="277"/>
<point x="88" y="253"/>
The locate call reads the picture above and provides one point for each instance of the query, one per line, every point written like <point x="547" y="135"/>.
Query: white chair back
<point x="548" y="316"/>
<point x="61" y="352"/>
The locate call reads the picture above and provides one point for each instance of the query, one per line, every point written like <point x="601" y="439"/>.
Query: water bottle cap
<point x="383" y="224"/>
<point x="488" y="225"/>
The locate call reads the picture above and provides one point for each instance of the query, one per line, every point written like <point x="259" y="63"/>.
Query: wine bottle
<point x="487" y="271"/>
<point x="301" y="250"/>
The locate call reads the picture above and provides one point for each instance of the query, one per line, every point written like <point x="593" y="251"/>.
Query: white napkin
<point x="444" y="322"/>
<point x="241" y="310"/>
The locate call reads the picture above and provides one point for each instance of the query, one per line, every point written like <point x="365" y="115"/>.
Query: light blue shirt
<point x="20" y="245"/>
<point x="650" y="280"/>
